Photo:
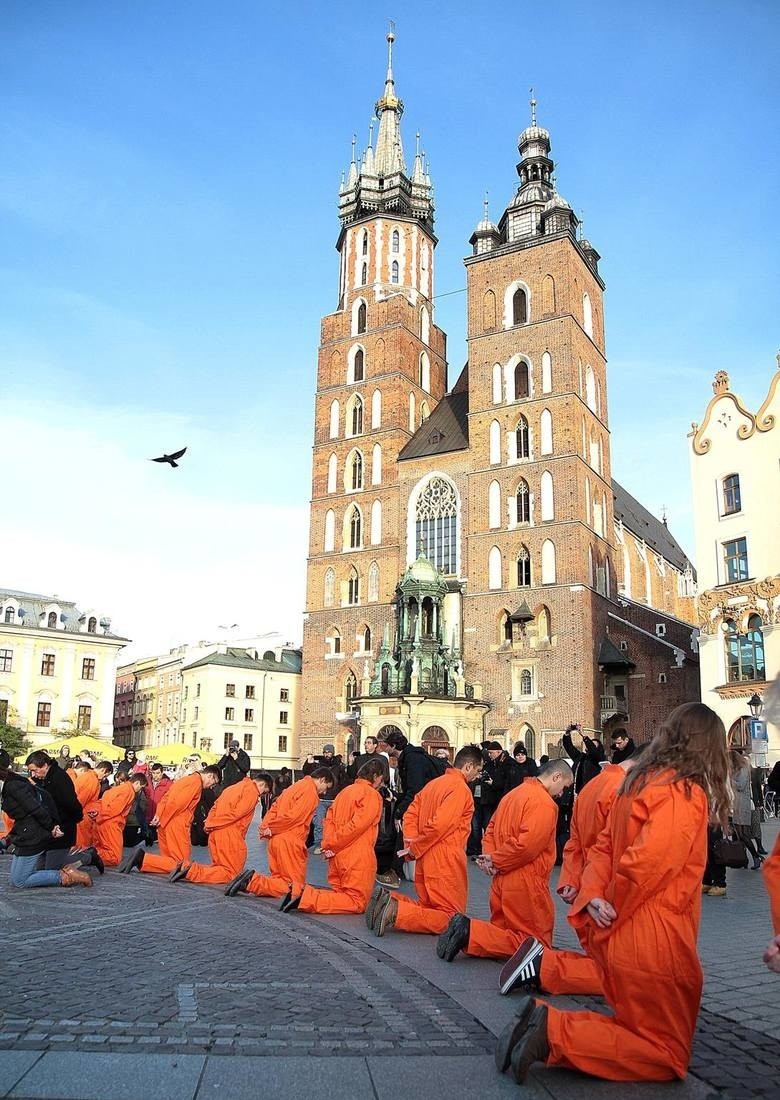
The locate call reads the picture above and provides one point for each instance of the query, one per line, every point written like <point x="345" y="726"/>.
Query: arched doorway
<point x="435" y="738"/>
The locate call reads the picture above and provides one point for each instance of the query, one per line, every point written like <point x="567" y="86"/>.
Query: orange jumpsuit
<point x="436" y="828"/>
<point x="648" y="863"/>
<point x="521" y="840"/>
<point x="350" y="831"/>
<point x="175" y="812"/>
<point x="6" y="824"/>
<point x="226" y="824"/>
<point x="288" y="819"/>
<point x="87" y="787"/>
<point x="569" y="971"/>
<point x="772" y="882"/>
<point x="113" y="809"/>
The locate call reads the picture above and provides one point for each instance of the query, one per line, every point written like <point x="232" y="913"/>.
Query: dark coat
<point x="336" y="768"/>
<point x="518" y="773"/>
<point x="773" y="782"/>
<point x="495" y="780"/>
<point x="363" y="758"/>
<point x="233" y="771"/>
<point x="587" y="760"/>
<point x="59" y="786"/>
<point x="619" y="755"/>
<point x="416" y="767"/>
<point x="34" y="816"/>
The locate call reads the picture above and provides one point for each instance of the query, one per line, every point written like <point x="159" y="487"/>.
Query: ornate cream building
<point x="735" y="473"/>
<point x="57" y="666"/>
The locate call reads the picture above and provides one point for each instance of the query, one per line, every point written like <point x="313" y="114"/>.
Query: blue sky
<point x="168" y="183"/>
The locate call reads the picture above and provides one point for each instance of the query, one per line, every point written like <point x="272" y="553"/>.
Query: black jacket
<point x="363" y="758"/>
<point x="587" y="760"/>
<point x="416" y="767"/>
<point x="619" y="755"/>
<point x="233" y="771"/>
<point x="336" y="768"/>
<point x="34" y="815"/>
<point x="495" y="782"/>
<point x="518" y="773"/>
<point x="59" y="786"/>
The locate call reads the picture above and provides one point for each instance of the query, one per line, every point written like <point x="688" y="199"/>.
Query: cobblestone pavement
<point x="139" y="966"/>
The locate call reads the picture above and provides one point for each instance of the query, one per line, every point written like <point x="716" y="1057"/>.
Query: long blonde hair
<point x="691" y="744"/>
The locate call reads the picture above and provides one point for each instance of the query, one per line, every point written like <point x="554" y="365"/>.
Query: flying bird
<point x="171" y="458"/>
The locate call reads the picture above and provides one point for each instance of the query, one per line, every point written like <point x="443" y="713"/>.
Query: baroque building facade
<point x="468" y="546"/>
<point x="735" y="458"/>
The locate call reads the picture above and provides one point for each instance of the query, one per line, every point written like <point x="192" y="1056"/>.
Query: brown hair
<point x="371" y="769"/>
<point x="691" y="743"/>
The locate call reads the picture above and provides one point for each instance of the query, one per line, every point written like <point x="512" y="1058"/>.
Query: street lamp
<point x="755" y="703"/>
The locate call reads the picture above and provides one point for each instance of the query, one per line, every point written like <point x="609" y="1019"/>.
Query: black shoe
<point x="512" y="1033"/>
<point x="127" y="864"/>
<point x="239" y="884"/>
<point x="290" y="901"/>
<point x="95" y="861"/>
<point x="178" y="873"/>
<point x="374" y="902"/>
<point x="533" y="1046"/>
<point x="136" y="861"/>
<point x="454" y="937"/>
<point x="524" y="968"/>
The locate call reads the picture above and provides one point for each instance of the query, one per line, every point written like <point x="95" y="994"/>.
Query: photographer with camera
<point x="234" y="765"/>
<point x="587" y="761"/>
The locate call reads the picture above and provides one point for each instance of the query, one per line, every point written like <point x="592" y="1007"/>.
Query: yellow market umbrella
<point x="82" y="742"/>
<point x="176" y="754"/>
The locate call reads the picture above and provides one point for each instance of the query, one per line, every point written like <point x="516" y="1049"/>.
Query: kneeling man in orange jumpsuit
<point x="86" y="783"/>
<point x="286" y="828"/>
<point x="436" y="828"/>
<point x="226" y="824"/>
<point x="539" y="967"/>
<point x="519" y="854"/>
<point x="110" y="816"/>
<point x="348" y="837"/>
<point x="173" y="819"/>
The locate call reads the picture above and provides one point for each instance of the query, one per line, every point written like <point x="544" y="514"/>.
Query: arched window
<point x="588" y="516"/>
<point x="373" y="582"/>
<point x="425" y="326"/>
<point x="9" y="615"/>
<point x="548" y="562"/>
<point x="356" y="472"/>
<point x="436" y="524"/>
<point x="591" y="568"/>
<point x="355" y="529"/>
<point x="330" y="530"/>
<point x="365" y="242"/>
<point x="519" y="307"/>
<point x="526" y="682"/>
<point x="412" y="412"/>
<point x="357" y="366"/>
<point x="394" y="272"/>
<point x="590" y="388"/>
<point x="366" y="640"/>
<point x="546" y="433"/>
<point x="488" y="311"/>
<point x="332" y="473"/>
<point x="732" y="497"/>
<point x="543" y="624"/>
<point x="376" y="465"/>
<point x="376" y="523"/>
<point x="523" y="498"/>
<point x="362" y="317"/>
<point x="364" y="275"/>
<point x="350" y="689"/>
<point x="357" y="416"/>
<point x="51" y="621"/>
<point x="396" y="241"/>
<point x="353" y="588"/>
<point x="523" y="443"/>
<point x="335" y="413"/>
<point x="92" y="625"/>
<point x="376" y="409"/>
<point x="495" y="443"/>
<point x="494" y="568"/>
<point x="522" y="381"/>
<point x="497" y="387"/>
<point x="547" y="373"/>
<point x="425" y="372"/>
<point x="425" y="412"/>
<point x="548" y="294"/>
<point x="332" y="642"/>
<point x="329" y="588"/>
<point x="547" y="502"/>
<point x="745" y="652"/>
<point x="494" y="505"/>
<point x="504" y="627"/>
<point x="587" y="315"/>
<point x="523" y="568"/>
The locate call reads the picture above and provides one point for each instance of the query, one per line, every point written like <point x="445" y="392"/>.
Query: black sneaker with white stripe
<point x="524" y="968"/>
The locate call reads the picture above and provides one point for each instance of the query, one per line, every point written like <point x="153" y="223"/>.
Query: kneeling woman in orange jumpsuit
<point x="110" y="816"/>
<point x="348" y="838"/>
<point x="173" y="819"/>
<point x="226" y="825"/>
<point x="641" y="889"/>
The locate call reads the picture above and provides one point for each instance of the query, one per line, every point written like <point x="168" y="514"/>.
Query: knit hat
<point x="329" y="748"/>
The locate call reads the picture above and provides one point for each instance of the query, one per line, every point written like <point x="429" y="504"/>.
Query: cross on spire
<point x="533" y="108"/>
<point x="487" y="206"/>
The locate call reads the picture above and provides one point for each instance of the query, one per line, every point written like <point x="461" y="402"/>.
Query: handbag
<point x="729" y="852"/>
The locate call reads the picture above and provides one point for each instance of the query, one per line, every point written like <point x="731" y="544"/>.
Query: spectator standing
<point x="523" y="766"/>
<point x="64" y="759"/>
<point x="234" y="765"/>
<point x="586" y="760"/>
<point x="742" y="811"/>
<point x="159" y="785"/>
<point x="623" y="746"/>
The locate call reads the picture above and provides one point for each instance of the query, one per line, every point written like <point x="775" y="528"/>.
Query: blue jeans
<point x="319" y="816"/>
<point x="26" y="872"/>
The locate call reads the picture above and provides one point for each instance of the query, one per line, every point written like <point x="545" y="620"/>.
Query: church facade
<point x="474" y="571"/>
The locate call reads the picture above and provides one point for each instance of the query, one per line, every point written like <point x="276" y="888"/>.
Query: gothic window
<point x="51" y="621"/>
<point x="357" y="416"/>
<point x="330" y="530"/>
<point x="526" y="682"/>
<point x="590" y="388"/>
<point x="436" y="522"/>
<point x="735" y="560"/>
<point x="332" y="642"/>
<point x="543" y="627"/>
<point x="546" y="373"/>
<point x="488" y="311"/>
<point x="497" y="388"/>
<point x="523" y="503"/>
<point x="412" y="412"/>
<point x="548" y="562"/>
<point x="350" y="689"/>
<point x="548" y="294"/>
<point x="494" y="568"/>
<point x="334" y="420"/>
<point x="373" y="582"/>
<point x="376" y="465"/>
<point x="376" y="409"/>
<point x="366" y="640"/>
<point x="523" y="447"/>
<point x="425" y="412"/>
<point x="494" y="505"/>
<point x="519" y="307"/>
<point x="353" y="588"/>
<point x="357" y="366"/>
<point x="385" y="679"/>
<point x="548" y="503"/>
<point x="357" y="470"/>
<point x="355" y="529"/>
<point x="361" y="317"/>
<point x="394" y="272"/>
<point x="588" y="516"/>
<point x="587" y="315"/>
<point x="332" y="473"/>
<point x="732" y="498"/>
<point x="504" y="627"/>
<point x="523" y="568"/>
<point x="546" y="433"/>
<point x="495" y="443"/>
<point x="329" y="588"/>
<point x="522" y="387"/>
<point x="365" y="242"/>
<point x="745" y="652"/>
<point x="364" y="275"/>
<point x="425" y="372"/>
<point x="396" y="241"/>
<point x="425" y="326"/>
<point x="376" y="523"/>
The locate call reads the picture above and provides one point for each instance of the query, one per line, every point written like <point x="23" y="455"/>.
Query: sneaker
<point x="524" y="968"/>
<point x="239" y="884"/>
<point x="375" y="902"/>
<point x="717" y="891"/>
<point x="389" y="878"/>
<point x="706" y="889"/>
<point x="385" y="917"/>
<point x="533" y="1046"/>
<point x="454" y="938"/>
<point x="513" y="1033"/>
